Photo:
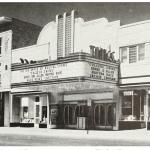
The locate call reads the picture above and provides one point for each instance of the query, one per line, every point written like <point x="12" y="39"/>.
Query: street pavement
<point x="63" y="137"/>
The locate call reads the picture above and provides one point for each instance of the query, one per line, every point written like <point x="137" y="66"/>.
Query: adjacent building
<point x="13" y="34"/>
<point x="80" y="75"/>
<point x="134" y="52"/>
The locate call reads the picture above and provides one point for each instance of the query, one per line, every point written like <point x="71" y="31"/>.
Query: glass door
<point x="104" y="115"/>
<point x="109" y="115"/>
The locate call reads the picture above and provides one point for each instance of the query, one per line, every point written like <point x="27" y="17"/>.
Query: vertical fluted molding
<point x="72" y="30"/>
<point x="64" y="27"/>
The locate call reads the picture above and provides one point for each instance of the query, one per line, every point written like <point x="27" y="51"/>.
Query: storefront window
<point x="127" y="110"/>
<point x="29" y="109"/>
<point x="44" y="113"/>
<point x="133" y="105"/>
<point x="25" y="112"/>
<point x="127" y="105"/>
<point x="136" y="105"/>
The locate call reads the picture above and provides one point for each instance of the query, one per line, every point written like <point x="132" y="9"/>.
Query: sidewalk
<point x="132" y="135"/>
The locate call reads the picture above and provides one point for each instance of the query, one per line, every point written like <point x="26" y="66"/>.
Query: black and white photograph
<point x="74" y="74"/>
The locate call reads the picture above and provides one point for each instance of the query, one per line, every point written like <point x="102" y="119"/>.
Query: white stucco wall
<point x="97" y="32"/>
<point x="133" y="34"/>
<point x="34" y="52"/>
<point x="5" y="60"/>
<point x="49" y="35"/>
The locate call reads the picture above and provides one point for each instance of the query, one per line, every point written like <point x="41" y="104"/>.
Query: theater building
<point x="72" y="77"/>
<point x="59" y="84"/>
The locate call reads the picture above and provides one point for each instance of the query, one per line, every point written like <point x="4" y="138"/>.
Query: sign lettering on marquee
<point x="104" y="72"/>
<point x="66" y="70"/>
<point x="44" y="73"/>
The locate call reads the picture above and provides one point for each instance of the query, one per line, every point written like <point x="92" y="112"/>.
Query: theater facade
<point x="80" y="75"/>
<point x="75" y="92"/>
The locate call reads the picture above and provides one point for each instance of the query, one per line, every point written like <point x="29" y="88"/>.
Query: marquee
<point x="92" y="70"/>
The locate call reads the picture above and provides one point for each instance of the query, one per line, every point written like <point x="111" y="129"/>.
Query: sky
<point x="42" y="13"/>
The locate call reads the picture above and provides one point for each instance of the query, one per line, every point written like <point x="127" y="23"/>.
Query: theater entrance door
<point x="104" y="115"/>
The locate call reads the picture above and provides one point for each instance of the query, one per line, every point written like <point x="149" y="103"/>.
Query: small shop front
<point x="134" y="109"/>
<point x="29" y="109"/>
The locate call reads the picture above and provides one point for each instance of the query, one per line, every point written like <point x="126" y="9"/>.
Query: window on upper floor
<point x="124" y="54"/>
<point x="132" y="53"/>
<point x="141" y="52"/>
